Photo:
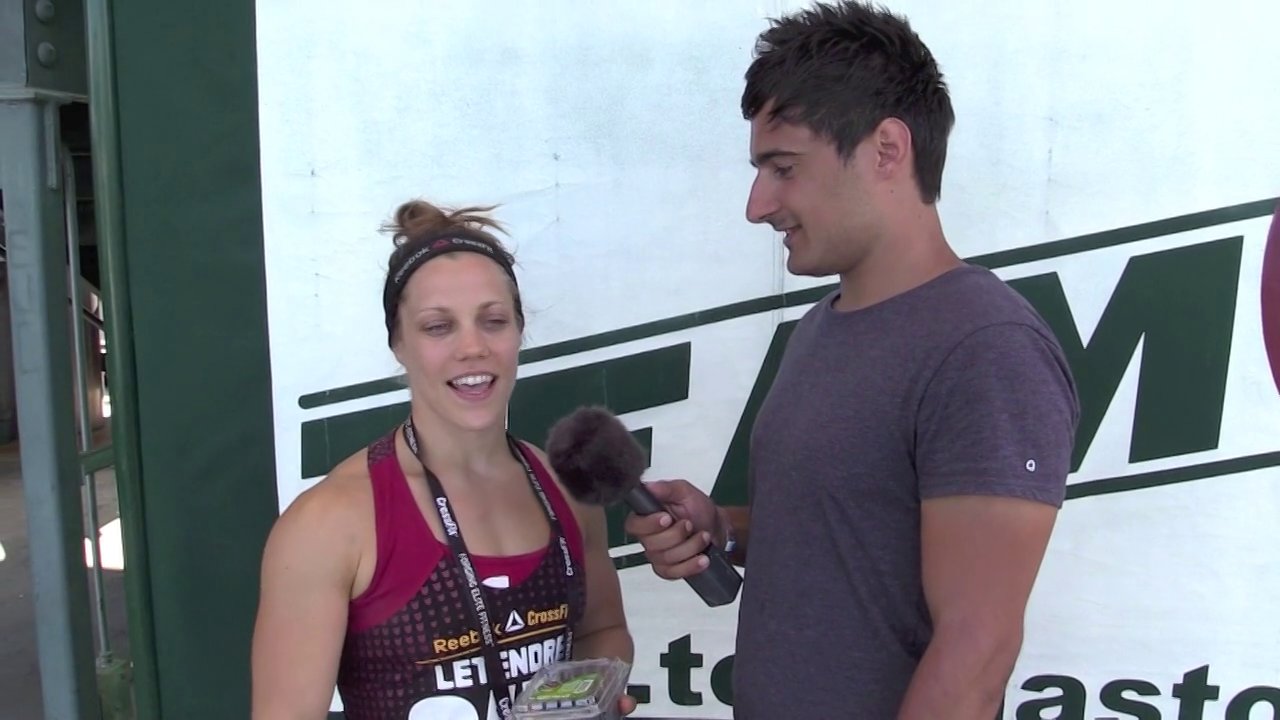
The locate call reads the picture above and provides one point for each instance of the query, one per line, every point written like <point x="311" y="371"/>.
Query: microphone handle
<point x="719" y="583"/>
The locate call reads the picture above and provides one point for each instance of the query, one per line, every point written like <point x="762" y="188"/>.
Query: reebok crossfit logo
<point x="535" y="621"/>
<point x="514" y="623"/>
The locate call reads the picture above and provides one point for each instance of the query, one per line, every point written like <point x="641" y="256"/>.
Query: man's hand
<point x="674" y="540"/>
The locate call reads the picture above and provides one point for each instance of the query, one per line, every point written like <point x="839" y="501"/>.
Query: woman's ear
<point x="397" y="348"/>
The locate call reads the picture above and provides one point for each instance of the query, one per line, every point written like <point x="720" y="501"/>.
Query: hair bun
<point x="419" y="218"/>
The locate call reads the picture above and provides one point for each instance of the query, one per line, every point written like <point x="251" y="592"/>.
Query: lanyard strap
<point x="479" y="607"/>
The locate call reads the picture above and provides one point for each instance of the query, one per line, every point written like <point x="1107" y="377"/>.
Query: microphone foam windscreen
<point x="595" y="455"/>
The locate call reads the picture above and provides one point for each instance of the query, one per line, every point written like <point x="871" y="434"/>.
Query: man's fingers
<point x="645" y="526"/>
<point x="669" y="491"/>
<point x="682" y="560"/>
<point x="687" y="548"/>
<point x="670" y="542"/>
<point x="679" y="571"/>
<point x="662" y="542"/>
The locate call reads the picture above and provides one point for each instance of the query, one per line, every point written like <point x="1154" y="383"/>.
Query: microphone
<point x="600" y="463"/>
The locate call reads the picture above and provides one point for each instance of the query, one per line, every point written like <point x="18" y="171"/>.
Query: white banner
<point x="1115" y="162"/>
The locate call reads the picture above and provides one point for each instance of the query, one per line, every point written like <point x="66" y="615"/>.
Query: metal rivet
<point x="45" y="11"/>
<point x="47" y="54"/>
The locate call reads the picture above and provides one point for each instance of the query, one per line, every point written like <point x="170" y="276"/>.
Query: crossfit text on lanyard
<point x="479" y="608"/>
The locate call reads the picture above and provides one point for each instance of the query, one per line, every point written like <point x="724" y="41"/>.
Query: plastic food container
<point x="574" y="690"/>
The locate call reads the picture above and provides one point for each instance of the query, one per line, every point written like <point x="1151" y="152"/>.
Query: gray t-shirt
<point x="955" y="387"/>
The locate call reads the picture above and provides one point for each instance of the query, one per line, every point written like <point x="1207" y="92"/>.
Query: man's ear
<point x="891" y="142"/>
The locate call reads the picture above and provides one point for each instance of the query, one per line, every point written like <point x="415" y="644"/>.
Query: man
<point x="908" y="464"/>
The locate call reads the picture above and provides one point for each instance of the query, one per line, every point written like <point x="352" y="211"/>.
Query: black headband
<point x="433" y="249"/>
<point x="442" y="246"/>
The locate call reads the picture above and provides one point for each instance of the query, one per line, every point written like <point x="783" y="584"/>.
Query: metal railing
<point x="112" y="672"/>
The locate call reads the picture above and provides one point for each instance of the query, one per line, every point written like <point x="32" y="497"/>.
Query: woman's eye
<point x="436" y="328"/>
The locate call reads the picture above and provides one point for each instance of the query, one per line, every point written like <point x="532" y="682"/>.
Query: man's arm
<point x="994" y="437"/>
<point x="980" y="557"/>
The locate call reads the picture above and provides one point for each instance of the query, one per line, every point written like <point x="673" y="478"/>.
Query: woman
<point x="382" y="578"/>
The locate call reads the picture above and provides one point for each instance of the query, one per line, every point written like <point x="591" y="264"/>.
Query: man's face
<point x="822" y="203"/>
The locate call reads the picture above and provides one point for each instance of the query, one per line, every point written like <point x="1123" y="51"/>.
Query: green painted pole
<point x="108" y="204"/>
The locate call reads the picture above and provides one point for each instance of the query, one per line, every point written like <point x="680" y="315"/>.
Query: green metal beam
<point x="108" y="205"/>
<point x="97" y="459"/>
<point x="29" y="175"/>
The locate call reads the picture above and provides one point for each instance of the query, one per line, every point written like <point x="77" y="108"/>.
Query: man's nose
<point x="761" y="203"/>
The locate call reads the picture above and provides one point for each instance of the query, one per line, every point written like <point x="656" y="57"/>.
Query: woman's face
<point x="459" y="339"/>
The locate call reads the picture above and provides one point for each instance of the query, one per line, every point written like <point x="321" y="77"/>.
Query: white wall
<point x="612" y="137"/>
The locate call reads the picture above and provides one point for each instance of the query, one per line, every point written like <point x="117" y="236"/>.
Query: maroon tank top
<point x="413" y="649"/>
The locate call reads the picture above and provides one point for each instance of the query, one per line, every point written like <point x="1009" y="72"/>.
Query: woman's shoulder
<point x="321" y="540"/>
<point x="335" y="508"/>
<point x="348" y="482"/>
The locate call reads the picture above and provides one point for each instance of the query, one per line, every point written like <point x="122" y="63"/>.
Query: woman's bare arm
<point x="603" y="630"/>
<point x="308" y="568"/>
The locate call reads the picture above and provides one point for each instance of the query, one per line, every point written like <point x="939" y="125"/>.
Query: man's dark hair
<point x="841" y="69"/>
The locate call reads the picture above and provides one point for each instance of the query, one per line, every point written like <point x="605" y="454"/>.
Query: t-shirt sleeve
<point x="998" y="417"/>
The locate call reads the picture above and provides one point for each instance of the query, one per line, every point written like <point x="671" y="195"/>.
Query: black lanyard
<point x="479" y="607"/>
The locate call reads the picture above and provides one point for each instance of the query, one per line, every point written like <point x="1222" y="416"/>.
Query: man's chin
<point x="802" y="269"/>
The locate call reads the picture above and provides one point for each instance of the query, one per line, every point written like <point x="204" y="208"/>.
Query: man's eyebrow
<point x="768" y="155"/>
